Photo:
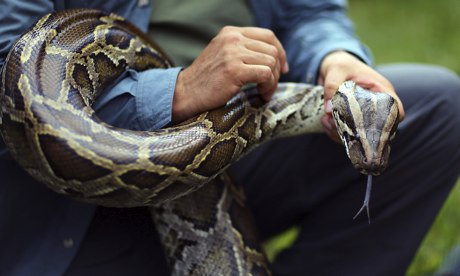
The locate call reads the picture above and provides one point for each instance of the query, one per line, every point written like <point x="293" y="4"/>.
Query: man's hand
<point x="340" y="66"/>
<point x="235" y="57"/>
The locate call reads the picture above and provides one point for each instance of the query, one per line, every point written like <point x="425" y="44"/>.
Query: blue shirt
<point x="39" y="230"/>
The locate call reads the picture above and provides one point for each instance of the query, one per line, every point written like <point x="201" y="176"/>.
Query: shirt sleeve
<point x="311" y="29"/>
<point x="138" y="101"/>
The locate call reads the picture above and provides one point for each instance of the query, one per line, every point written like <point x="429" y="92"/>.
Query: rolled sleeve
<point x="326" y="29"/>
<point x="140" y="101"/>
<point x="156" y="91"/>
<point x="309" y="30"/>
<point x="308" y="51"/>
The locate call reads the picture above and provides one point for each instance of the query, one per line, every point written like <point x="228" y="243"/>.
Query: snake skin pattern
<point x="59" y="67"/>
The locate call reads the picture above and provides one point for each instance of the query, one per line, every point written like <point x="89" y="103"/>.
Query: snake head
<point x="366" y="122"/>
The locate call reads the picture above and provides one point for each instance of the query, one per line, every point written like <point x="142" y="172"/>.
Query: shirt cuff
<point x="155" y="97"/>
<point x="140" y="100"/>
<point x="351" y="46"/>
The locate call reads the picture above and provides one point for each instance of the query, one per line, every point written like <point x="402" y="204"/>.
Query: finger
<point x="330" y="128"/>
<point x="332" y="81"/>
<point x="267" y="89"/>
<point x="265" y="48"/>
<point x="257" y="58"/>
<point x="249" y="73"/>
<point x="269" y="37"/>
<point x="320" y="81"/>
<point x="402" y="113"/>
<point x="262" y="75"/>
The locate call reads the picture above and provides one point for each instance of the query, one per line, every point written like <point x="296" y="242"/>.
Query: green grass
<point x="444" y="234"/>
<point x="410" y="31"/>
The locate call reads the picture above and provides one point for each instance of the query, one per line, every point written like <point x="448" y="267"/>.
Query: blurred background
<point x="417" y="31"/>
<point x="410" y="30"/>
<point x="422" y="31"/>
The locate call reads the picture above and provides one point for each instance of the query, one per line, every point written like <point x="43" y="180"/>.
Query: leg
<point x="120" y="242"/>
<point x="309" y="181"/>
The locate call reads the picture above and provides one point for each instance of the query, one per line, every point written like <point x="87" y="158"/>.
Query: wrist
<point x="180" y="103"/>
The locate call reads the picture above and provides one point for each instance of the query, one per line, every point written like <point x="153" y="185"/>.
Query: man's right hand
<point x="235" y="57"/>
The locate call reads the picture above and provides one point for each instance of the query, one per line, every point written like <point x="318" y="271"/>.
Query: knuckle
<point x="274" y="51"/>
<point x="226" y="53"/>
<point x="228" y="68"/>
<point x="227" y="29"/>
<point x="269" y="33"/>
<point x="233" y="37"/>
<point x="271" y="62"/>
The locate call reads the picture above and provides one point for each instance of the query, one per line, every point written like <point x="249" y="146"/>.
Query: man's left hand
<point x="340" y="66"/>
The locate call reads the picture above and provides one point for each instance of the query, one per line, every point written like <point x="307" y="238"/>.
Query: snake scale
<point x="59" y="67"/>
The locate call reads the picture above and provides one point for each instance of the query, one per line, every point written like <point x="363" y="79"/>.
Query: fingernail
<point x="328" y="106"/>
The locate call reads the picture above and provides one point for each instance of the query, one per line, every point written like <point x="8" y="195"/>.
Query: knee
<point x="447" y="90"/>
<point x="446" y="85"/>
<point x="424" y="82"/>
<point x="431" y="97"/>
<point x="435" y="88"/>
<point x="430" y="133"/>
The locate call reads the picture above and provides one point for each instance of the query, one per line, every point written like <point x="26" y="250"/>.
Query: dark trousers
<point x="308" y="181"/>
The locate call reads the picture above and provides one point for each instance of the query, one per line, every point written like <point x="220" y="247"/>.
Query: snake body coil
<point x="57" y="69"/>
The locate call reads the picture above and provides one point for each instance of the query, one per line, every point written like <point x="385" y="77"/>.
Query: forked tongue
<point x="367" y="198"/>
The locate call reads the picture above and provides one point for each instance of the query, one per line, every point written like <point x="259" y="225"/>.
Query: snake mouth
<point x="371" y="168"/>
<point x="367" y="162"/>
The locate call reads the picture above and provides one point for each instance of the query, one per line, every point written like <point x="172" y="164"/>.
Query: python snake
<point x="59" y="67"/>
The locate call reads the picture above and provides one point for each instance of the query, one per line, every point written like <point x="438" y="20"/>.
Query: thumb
<point x="332" y="82"/>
